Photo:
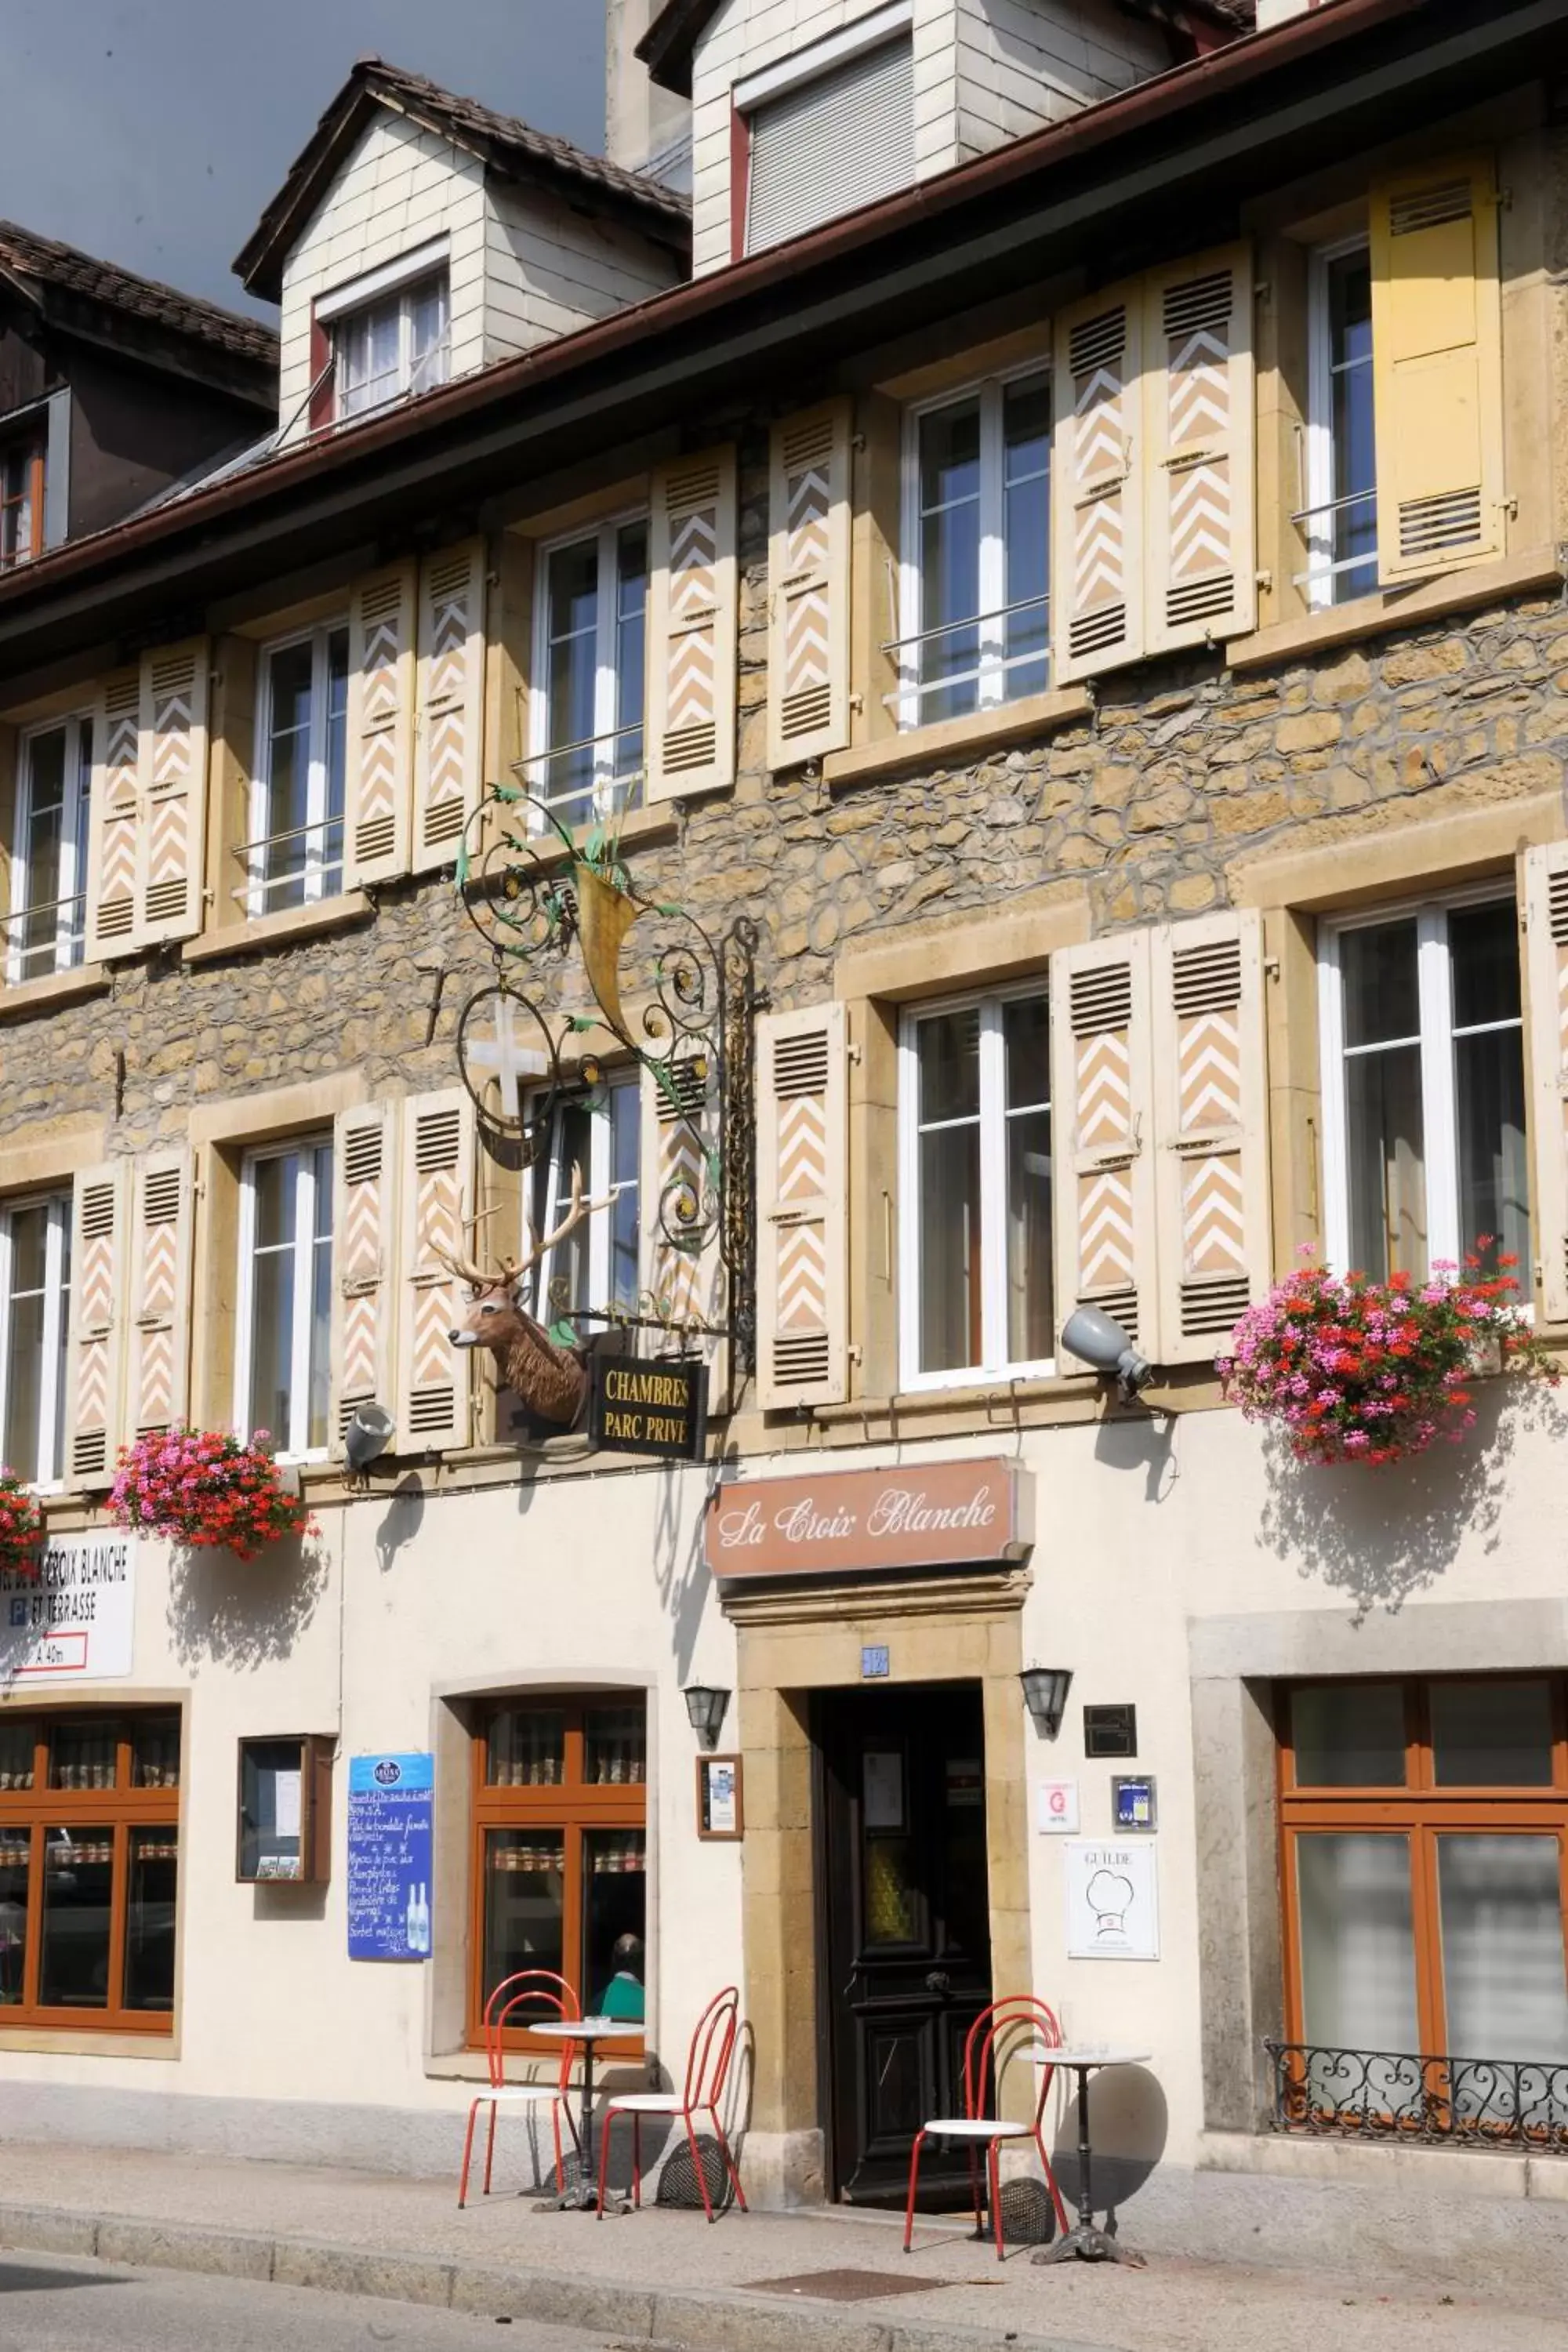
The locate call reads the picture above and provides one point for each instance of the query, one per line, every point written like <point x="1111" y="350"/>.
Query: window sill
<point x="1453" y="2171"/>
<point x="1392" y="608"/>
<point x="56" y="988"/>
<point x="260" y="932"/>
<point x="644" y="829"/>
<point x="53" y="2042"/>
<point x="978" y="730"/>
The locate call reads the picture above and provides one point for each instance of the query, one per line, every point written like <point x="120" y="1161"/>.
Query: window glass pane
<point x="626" y="1140"/>
<point x="25" y="1325"/>
<point x="1385" y="1157"/>
<point x="950" y="557"/>
<point x="15" y="1886"/>
<point x="1030" y="1314"/>
<point x="78" y="1876"/>
<point x="525" y="1747"/>
<point x="1026" y="479"/>
<point x="1382" y="996"/>
<point x="631" y="601"/>
<point x="290" y="676"/>
<point x="525" y="1884"/>
<point x="566" y="1275"/>
<point x="155" y="1751"/>
<point x="150" y="1919"/>
<point x="614" y="1745"/>
<point x="950" y="1282"/>
<point x="274" y="1183"/>
<point x="18" y="1753"/>
<point x="270" y="1793"/>
<point x="369" y="369"/>
<point x="573" y="592"/>
<point x="1358" y="1949"/>
<point x="1349" y="1735"/>
<point x="614" y="1903"/>
<point x="949" y="1066"/>
<point x="320" y="1344"/>
<point x="331" y="839"/>
<point x="1489" y="1080"/>
<point x="84" y="1754"/>
<point x="1500" y="1900"/>
<point x="42" y="848"/>
<point x="427" y="338"/>
<point x="1355" y="527"/>
<point x="1491" y="1735"/>
<point x="1483" y="951"/>
<point x="75" y="908"/>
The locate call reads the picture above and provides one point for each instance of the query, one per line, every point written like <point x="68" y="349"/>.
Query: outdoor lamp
<point x="1102" y="1344"/>
<point x="1045" y="1692"/>
<point x="707" y="1708"/>
<point x="367" y="1437"/>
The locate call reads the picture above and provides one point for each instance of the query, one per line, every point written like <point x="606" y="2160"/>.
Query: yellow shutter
<point x="437" y="1184"/>
<point x="171" y="839"/>
<point x="1102" y="1118"/>
<point x="159" y="1355"/>
<point x="1211" y="1138"/>
<point x="365" y="1237"/>
<point x="115" y="815"/>
<point x="808" y="586"/>
<point x="1198" y="451"/>
<point x="678" y="1171"/>
<point x="1436" y="356"/>
<point x="1097" y="574"/>
<point x="96" y="1343"/>
<point x="449" y="760"/>
<point x="1546" y="919"/>
<point x="379" y="785"/>
<point x="802" y="1339"/>
<point x="692" y="626"/>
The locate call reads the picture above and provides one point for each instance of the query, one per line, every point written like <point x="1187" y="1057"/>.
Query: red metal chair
<point x="540" y="1988"/>
<point x="1014" y="2027"/>
<point x="707" y="2072"/>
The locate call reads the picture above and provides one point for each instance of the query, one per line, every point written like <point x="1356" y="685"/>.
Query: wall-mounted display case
<point x="285" y="1811"/>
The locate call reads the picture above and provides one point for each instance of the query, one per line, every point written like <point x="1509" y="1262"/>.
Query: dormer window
<point x="22" y="496"/>
<point x="388" y="334"/>
<point x="830" y="127"/>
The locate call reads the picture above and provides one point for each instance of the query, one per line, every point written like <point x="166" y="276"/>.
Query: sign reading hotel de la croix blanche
<point x="942" y="1515"/>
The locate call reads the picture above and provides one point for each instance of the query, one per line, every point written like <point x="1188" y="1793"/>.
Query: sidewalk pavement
<point x="665" y="2277"/>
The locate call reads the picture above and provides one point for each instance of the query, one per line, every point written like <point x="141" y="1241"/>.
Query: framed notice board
<point x="721" y="1804"/>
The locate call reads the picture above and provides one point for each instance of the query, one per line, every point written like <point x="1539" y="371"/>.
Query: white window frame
<point x="990" y="676"/>
<point x="47" y="1475"/>
<point x="596" y="1184"/>
<point x="604" y="782"/>
<point x="1318" y="580"/>
<point x="70" y="941"/>
<point x="995" y="1364"/>
<point x="305" y="1148"/>
<point x="258" y="892"/>
<point x="341" y="321"/>
<point x="1440" y="1120"/>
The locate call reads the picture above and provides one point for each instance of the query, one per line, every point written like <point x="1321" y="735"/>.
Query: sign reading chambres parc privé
<point x="636" y="1407"/>
<point x="940" y="1515"/>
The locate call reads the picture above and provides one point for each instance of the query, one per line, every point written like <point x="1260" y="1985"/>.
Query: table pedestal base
<point x="1085" y="2242"/>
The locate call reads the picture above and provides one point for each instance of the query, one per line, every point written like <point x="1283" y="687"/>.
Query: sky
<point x="153" y="132"/>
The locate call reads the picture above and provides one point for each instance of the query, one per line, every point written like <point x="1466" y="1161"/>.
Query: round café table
<point x="1084" y="2241"/>
<point x="583" y="2194"/>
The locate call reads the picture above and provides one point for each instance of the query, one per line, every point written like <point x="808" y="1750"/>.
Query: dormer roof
<point x="501" y="141"/>
<point x="78" y="293"/>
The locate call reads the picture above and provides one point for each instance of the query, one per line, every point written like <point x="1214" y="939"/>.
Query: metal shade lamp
<point x="1045" y="1692"/>
<point x="707" y="1707"/>
<point x="366" y="1438"/>
<point x="1091" y="1334"/>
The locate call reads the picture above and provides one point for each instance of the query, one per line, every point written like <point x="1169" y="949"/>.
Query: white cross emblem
<point x="490" y="1044"/>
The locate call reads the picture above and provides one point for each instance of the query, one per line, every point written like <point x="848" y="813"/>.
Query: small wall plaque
<point x="1111" y="1730"/>
<point x="875" y="1665"/>
<point x="720" y="1805"/>
<point x="1132" y="1800"/>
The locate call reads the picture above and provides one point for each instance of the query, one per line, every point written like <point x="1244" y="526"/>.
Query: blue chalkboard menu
<point x="390" y="1803"/>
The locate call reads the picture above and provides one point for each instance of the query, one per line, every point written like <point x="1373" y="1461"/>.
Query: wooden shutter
<point x="803" y="1339"/>
<point x="1097" y="577"/>
<point x="449" y="760"/>
<point x="172" y="840"/>
<point x="95" y="1342"/>
<point x="1101" y="1114"/>
<point x="1546" y="921"/>
<point x="159" y="1355"/>
<point x="808" y="576"/>
<point x="380" y="726"/>
<point x="115" y="815"/>
<point x="1211" y="1112"/>
<point x="364" y="1231"/>
<point x="676" y="1164"/>
<point x="438" y="1175"/>
<point x="1201" y="565"/>
<point x="692" y="627"/>
<point x="1436" y="358"/>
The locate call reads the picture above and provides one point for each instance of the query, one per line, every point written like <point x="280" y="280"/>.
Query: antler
<point x="576" y="1211"/>
<point x="463" y="1267"/>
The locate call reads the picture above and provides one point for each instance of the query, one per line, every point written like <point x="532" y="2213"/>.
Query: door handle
<point x="939" y="1981"/>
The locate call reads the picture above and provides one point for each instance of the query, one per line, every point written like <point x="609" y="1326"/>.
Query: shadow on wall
<point x="1129" y="2123"/>
<point x="677" y="1564"/>
<point x="1381" y="1534"/>
<point x="244" y="1612"/>
<point x="404" y="1519"/>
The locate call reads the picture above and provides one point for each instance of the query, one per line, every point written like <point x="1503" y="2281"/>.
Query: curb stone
<point x="688" y="2320"/>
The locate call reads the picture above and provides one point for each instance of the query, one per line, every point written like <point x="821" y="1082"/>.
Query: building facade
<point x="1118" y="675"/>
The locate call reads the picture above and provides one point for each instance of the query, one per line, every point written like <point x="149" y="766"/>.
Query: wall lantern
<point x="1045" y="1692"/>
<point x="1090" y="1334"/>
<point x="707" y="1709"/>
<point x="369" y="1433"/>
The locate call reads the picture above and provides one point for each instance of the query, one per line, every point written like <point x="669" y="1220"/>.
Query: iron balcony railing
<point x="1316" y="574"/>
<point x="57" y="948"/>
<point x="588" y="769"/>
<point x="1332" y="2094"/>
<point x="991" y="662"/>
<point x="320" y="864"/>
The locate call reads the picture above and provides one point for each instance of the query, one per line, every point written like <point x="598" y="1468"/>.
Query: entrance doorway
<point x="904" y="1934"/>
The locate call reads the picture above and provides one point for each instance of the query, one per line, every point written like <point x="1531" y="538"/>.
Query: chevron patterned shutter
<point x="1102" y="1116"/>
<point x="1201" y="563"/>
<point x="808" y="587"/>
<point x="1211" y="1131"/>
<point x="680" y="1146"/>
<point x="172" y="840"/>
<point x="115" y="817"/>
<point x="95" y="1342"/>
<point x="803" y="1336"/>
<point x="364" y="1248"/>
<point x="1097" y="577"/>
<point x="437" y="1177"/>
<point x="449" y="760"/>
<point x="380" y="726"/>
<point x="158" y="1372"/>
<point x="1436" y="363"/>
<point x="1546" y="921"/>
<point x="692" y="626"/>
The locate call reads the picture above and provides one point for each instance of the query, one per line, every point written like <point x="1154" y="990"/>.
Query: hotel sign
<point x="636" y="1407"/>
<point x="940" y="1515"/>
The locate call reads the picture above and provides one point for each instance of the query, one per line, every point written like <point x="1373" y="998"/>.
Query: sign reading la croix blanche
<point x="942" y="1515"/>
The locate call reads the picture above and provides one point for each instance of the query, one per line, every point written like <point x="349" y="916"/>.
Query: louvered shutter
<point x="803" y="1339"/>
<point x="808" y="571"/>
<point x="1200" y="564"/>
<point x="95" y="1369"/>
<point x="158" y="1370"/>
<point x="1102" y="1120"/>
<point x="364" y="1237"/>
<point x="839" y="141"/>
<point x="678" y="1169"/>
<point x="1211" y="1114"/>
<point x="1437" y="359"/>
<point x="1097" y="577"/>
<point x="692" y="626"/>
<point x="115" y="815"/>
<point x="1546" y="919"/>
<point x="171" y="839"/>
<point x="450" y="755"/>
<point x="380" y="726"/>
<point x="433" y="1380"/>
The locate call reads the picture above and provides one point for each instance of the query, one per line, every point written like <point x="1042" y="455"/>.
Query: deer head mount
<point x="550" y="1379"/>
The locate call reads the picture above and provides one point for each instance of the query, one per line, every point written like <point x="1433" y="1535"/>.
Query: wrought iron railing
<point x="1332" y="2094"/>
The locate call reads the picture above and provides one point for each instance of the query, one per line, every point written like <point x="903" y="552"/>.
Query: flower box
<point x="201" y="1488"/>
